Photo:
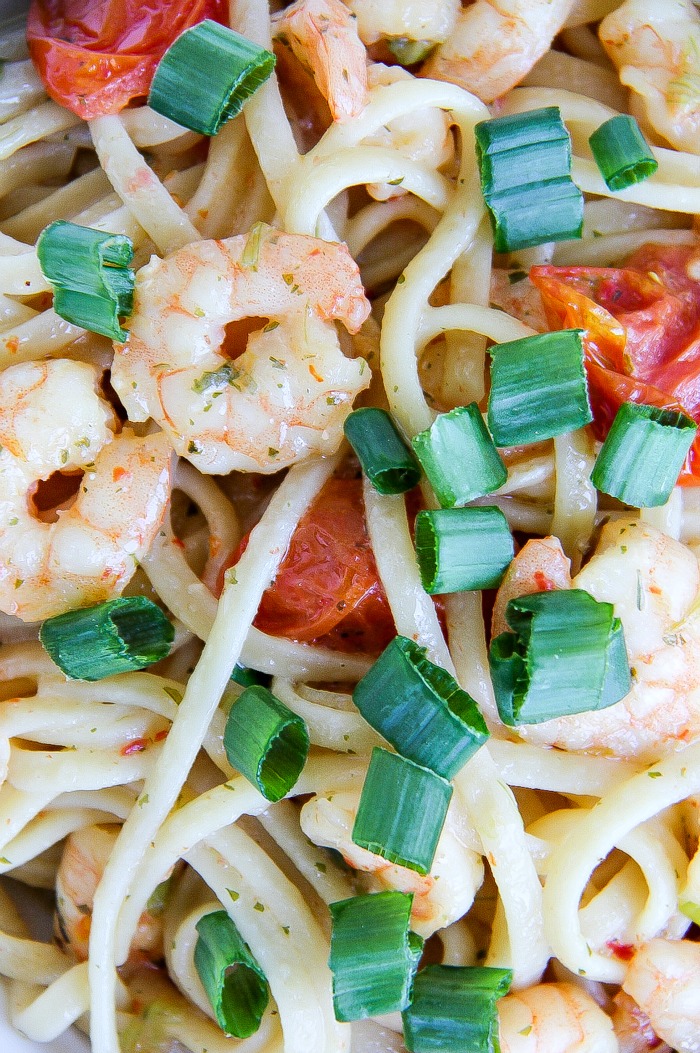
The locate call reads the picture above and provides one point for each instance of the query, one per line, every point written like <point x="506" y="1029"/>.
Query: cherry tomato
<point x="94" y="57"/>
<point x="327" y="589"/>
<point x="642" y="333"/>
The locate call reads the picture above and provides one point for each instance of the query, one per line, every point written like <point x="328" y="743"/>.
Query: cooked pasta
<point x="332" y="247"/>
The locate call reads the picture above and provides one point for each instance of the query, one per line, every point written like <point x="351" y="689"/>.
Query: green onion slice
<point x="373" y="955"/>
<point x="266" y="742"/>
<point x="454" y="1009"/>
<point x="89" y="271"/>
<point x="525" y="165"/>
<point x="538" y="388"/>
<point x="247" y="677"/>
<point x="566" y="655"/>
<point x="622" y="153"/>
<point x="462" y="548"/>
<point x="233" y="981"/>
<point x="402" y="811"/>
<point x="207" y="75"/>
<point x="118" y="636"/>
<point x="459" y="457"/>
<point x="420" y="709"/>
<point x="386" y="460"/>
<point x="643" y="454"/>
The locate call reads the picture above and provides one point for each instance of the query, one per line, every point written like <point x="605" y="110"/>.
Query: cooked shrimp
<point x="55" y="427"/>
<point x="653" y="582"/>
<point x="82" y="864"/>
<point x="633" y="1028"/>
<point x="664" y="980"/>
<point x="656" y="48"/>
<point x="421" y="135"/>
<point x="428" y="22"/>
<point x="540" y="566"/>
<point x="288" y="394"/>
<point x="554" y="1018"/>
<point x="495" y="44"/>
<point x="323" y="37"/>
<point x="440" y="897"/>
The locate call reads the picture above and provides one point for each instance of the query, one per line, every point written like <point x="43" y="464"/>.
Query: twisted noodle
<point x="558" y="862"/>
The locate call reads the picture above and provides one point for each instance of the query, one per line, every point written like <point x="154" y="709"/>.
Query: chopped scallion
<point x="566" y="655"/>
<point x="402" y="811"/>
<point x="373" y="955"/>
<point x="643" y="454"/>
<point x="266" y="742"/>
<point x="234" y="983"/>
<point x="118" y="636"/>
<point x="454" y="1009"/>
<point x="622" y="153"/>
<point x="538" y="388"/>
<point x="525" y="165"/>
<point x="386" y="460"/>
<point x="462" y="548"/>
<point x="459" y="457"/>
<point x="420" y="709"/>
<point x="89" y="271"/>
<point x="207" y="75"/>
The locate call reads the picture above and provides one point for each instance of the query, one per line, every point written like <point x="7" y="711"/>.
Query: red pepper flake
<point x="315" y="374"/>
<point x="12" y="344"/>
<point x="543" y="583"/>
<point x="135" y="746"/>
<point x="623" y="951"/>
<point x="160" y="735"/>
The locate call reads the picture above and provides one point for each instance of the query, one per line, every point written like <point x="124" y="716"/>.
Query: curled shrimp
<point x="439" y="898"/>
<point x="633" y="1028"/>
<point x="663" y="978"/>
<point x="82" y="864"/>
<point x="540" y="566"/>
<point x="420" y="21"/>
<point x="288" y="394"/>
<point x="55" y="427"/>
<point x="557" y="1016"/>
<point x="654" y="583"/>
<point x="322" y="36"/>
<point x="656" y="48"/>
<point x="495" y="44"/>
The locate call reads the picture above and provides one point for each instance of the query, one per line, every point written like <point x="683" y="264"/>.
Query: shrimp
<point x="322" y="36"/>
<point x="288" y="394"/>
<point x="439" y="898"/>
<point x="632" y="1027"/>
<point x="663" y="978"/>
<point x="654" y="583"/>
<point x="540" y="566"/>
<point x="554" y="1018"/>
<point x="656" y="48"/>
<point x="427" y="23"/>
<point x="82" y="864"/>
<point x="494" y="45"/>
<point x="55" y="427"/>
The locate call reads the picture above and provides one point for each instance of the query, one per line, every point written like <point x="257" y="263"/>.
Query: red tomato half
<point x="94" y="56"/>
<point x="327" y="589"/>
<point x="642" y="332"/>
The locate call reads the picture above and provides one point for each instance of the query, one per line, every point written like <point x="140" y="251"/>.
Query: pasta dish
<point x="350" y="525"/>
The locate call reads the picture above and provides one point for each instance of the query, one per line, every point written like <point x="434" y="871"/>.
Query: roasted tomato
<point x="642" y="332"/>
<point x="94" y="57"/>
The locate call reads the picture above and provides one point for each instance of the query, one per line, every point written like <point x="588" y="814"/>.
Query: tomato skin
<point x="327" y="588"/>
<point x="94" y="56"/>
<point x="641" y="327"/>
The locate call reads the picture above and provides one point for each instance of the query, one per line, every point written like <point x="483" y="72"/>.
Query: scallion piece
<point x="622" y="153"/>
<point x="538" y="388"/>
<point x="420" y="709"/>
<point x="118" y="636"/>
<point x="207" y="75"/>
<point x="93" y="285"/>
<point x="386" y="460"/>
<point x="643" y="454"/>
<point x="462" y="548"/>
<point x="454" y="1009"/>
<point x="566" y="655"/>
<point x="373" y="955"/>
<point x="402" y="811"/>
<point x="266" y="742"/>
<point x="234" y="983"/>
<point x="459" y="457"/>
<point x="525" y="165"/>
<point x="246" y="677"/>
